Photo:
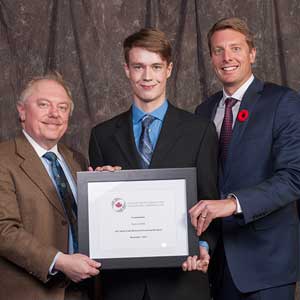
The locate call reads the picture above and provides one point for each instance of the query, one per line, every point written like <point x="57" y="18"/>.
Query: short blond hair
<point x="233" y="23"/>
<point x="54" y="76"/>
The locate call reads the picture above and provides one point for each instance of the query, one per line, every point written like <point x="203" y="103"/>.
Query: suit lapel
<point x="213" y="105"/>
<point x="125" y="139"/>
<point x="36" y="171"/>
<point x="249" y="101"/>
<point x="69" y="159"/>
<point x="208" y="109"/>
<point x="168" y="136"/>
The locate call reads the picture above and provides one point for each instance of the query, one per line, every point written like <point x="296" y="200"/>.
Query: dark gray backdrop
<point x="83" y="40"/>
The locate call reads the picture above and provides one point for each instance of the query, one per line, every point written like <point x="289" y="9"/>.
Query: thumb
<point x="203" y="253"/>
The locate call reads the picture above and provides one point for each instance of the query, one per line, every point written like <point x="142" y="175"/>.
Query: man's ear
<point x="252" y="55"/>
<point x="169" y="69"/>
<point x="21" y="111"/>
<point x="126" y="69"/>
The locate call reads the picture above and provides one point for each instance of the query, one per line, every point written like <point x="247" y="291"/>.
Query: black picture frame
<point x="84" y="178"/>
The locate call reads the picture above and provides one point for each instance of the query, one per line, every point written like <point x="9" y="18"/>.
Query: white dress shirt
<point x="238" y="95"/>
<point x="218" y="120"/>
<point x="40" y="152"/>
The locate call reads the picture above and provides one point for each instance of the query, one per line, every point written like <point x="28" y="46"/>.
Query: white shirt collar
<point x="39" y="149"/>
<point x="239" y="93"/>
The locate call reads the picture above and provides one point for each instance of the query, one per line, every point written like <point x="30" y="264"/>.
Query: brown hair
<point x="54" y="76"/>
<point x="151" y="39"/>
<point x="233" y="23"/>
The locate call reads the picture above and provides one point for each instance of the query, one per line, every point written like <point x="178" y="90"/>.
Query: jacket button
<point x="64" y="222"/>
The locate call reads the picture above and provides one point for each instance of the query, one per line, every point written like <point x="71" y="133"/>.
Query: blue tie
<point x="66" y="195"/>
<point x="145" y="145"/>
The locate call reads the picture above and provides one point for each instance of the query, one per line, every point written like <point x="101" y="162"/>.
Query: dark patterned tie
<point x="145" y="145"/>
<point x="66" y="195"/>
<point x="226" y="129"/>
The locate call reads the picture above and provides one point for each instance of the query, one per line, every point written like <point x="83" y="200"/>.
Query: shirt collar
<point x="39" y="149"/>
<point x="159" y="113"/>
<point x="239" y="93"/>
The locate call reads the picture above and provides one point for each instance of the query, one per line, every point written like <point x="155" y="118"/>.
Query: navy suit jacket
<point x="263" y="171"/>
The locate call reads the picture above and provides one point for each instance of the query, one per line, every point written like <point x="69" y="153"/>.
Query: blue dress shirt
<point x="155" y="127"/>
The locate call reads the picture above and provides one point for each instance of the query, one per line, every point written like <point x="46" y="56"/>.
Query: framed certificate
<point x="137" y="218"/>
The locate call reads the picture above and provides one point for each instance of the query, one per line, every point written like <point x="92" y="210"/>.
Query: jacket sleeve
<point x="283" y="187"/>
<point x="95" y="154"/>
<point x="17" y="244"/>
<point x="207" y="170"/>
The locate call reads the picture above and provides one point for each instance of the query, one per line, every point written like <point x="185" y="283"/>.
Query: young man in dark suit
<point x="259" y="178"/>
<point x="155" y="134"/>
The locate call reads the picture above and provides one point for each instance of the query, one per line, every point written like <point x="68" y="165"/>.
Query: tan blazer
<point x="33" y="225"/>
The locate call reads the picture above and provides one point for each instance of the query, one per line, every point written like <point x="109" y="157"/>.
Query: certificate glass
<point x="137" y="218"/>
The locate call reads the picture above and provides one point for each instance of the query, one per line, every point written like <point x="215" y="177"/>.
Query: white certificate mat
<point x="137" y="218"/>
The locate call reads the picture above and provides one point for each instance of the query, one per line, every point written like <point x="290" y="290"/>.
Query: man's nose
<point x="53" y="111"/>
<point x="227" y="55"/>
<point x="147" y="74"/>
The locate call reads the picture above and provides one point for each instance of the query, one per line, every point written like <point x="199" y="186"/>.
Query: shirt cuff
<point x="238" y="205"/>
<point x="204" y="244"/>
<point x="52" y="271"/>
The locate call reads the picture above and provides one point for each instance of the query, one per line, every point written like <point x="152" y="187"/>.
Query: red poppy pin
<point x="243" y="115"/>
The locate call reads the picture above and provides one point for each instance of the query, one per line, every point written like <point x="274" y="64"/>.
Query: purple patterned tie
<point x="226" y="129"/>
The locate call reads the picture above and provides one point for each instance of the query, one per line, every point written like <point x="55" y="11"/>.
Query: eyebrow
<point x="233" y="44"/>
<point x="142" y="64"/>
<point x="60" y="102"/>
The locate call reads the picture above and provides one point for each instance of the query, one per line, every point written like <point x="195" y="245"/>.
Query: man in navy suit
<point x="259" y="174"/>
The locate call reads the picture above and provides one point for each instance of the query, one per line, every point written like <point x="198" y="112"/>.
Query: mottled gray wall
<point x="83" y="40"/>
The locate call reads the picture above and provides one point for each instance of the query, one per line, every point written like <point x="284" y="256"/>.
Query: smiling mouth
<point x="148" y="87"/>
<point x="52" y="124"/>
<point x="228" y="69"/>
